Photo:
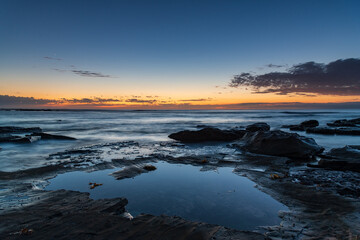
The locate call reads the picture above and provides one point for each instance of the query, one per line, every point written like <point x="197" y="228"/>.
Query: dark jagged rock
<point x="132" y="171"/>
<point x="203" y="126"/>
<point x="310" y="123"/>
<point x="302" y="126"/>
<point x="11" y="129"/>
<point x="355" y="131"/>
<point x="73" y="215"/>
<point x="345" y="123"/>
<point x="5" y="137"/>
<point x="279" y="143"/>
<point x="17" y="139"/>
<point x="47" y="136"/>
<point x="207" y="135"/>
<point x="260" y="126"/>
<point x="346" y="158"/>
<point x="289" y="126"/>
<point x="297" y="128"/>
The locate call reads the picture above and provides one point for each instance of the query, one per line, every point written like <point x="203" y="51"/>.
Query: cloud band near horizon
<point x="14" y="102"/>
<point x="340" y="77"/>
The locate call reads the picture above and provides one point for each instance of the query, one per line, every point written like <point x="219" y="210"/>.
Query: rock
<point x="203" y="126"/>
<point x="5" y="137"/>
<point x="260" y="126"/>
<point x="149" y="168"/>
<point x="207" y="135"/>
<point x="279" y="143"/>
<point x="132" y="171"/>
<point x="341" y="159"/>
<point x="309" y="123"/>
<point x="11" y="129"/>
<point x="21" y="140"/>
<point x="297" y="128"/>
<point x="354" y="131"/>
<point x="47" y="136"/>
<point x="345" y="123"/>
<point x="73" y="215"/>
<point x="340" y="165"/>
<point x="302" y="126"/>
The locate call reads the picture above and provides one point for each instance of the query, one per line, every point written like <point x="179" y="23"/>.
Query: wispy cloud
<point x="90" y="100"/>
<point x="196" y="100"/>
<point x="53" y="58"/>
<point x="274" y="65"/>
<point x="341" y="77"/>
<point x="90" y="74"/>
<point x="59" y="70"/>
<point x="135" y="100"/>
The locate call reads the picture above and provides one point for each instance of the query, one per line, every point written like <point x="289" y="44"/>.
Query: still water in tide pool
<point x="217" y="197"/>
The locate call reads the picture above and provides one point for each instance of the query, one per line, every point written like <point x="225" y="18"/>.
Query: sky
<point x="179" y="54"/>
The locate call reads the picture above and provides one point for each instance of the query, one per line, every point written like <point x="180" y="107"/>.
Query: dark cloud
<point x="90" y="74"/>
<point x="6" y="100"/>
<point x="12" y="100"/>
<point x="135" y="100"/>
<point x="293" y="105"/>
<point x="59" y="70"/>
<point x="195" y="100"/>
<point x="90" y="100"/>
<point x="341" y="77"/>
<point x="53" y="58"/>
<point x="274" y="66"/>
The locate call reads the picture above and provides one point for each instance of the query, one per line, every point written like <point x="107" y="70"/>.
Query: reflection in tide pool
<point x="218" y="197"/>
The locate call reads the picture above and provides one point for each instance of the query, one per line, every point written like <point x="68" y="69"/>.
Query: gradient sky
<point x="152" y="53"/>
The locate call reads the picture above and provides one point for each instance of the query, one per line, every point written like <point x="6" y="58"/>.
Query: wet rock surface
<point x="47" y="136"/>
<point x="279" y="143"/>
<point x="343" y="159"/>
<point x="345" y="123"/>
<point x="36" y="134"/>
<point x="207" y="135"/>
<point x="72" y="215"/>
<point x="337" y="182"/>
<point x="352" y="131"/>
<point x="11" y="129"/>
<point x="260" y="126"/>
<point x="5" y="137"/>
<point x="302" y="126"/>
<point x="323" y="204"/>
<point x="132" y="171"/>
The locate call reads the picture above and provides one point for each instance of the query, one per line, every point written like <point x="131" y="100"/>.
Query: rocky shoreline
<point x="320" y="189"/>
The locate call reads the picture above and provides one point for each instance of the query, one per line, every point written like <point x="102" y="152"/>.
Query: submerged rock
<point x="355" y="131"/>
<point x="345" y="123"/>
<point x="18" y="139"/>
<point x="47" y="136"/>
<point x="279" y="143"/>
<point x="11" y="129"/>
<point x="260" y="126"/>
<point x="132" y="171"/>
<point x="207" y="135"/>
<point x="302" y="126"/>
<point x="5" y="137"/>
<point x="346" y="158"/>
<point x="310" y="123"/>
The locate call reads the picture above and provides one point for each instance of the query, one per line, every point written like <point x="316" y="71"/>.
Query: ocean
<point x="217" y="195"/>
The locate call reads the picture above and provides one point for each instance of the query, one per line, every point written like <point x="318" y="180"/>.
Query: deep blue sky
<point x="159" y="41"/>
